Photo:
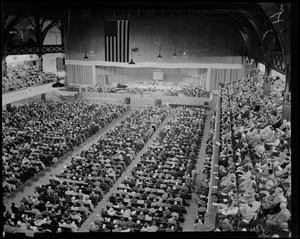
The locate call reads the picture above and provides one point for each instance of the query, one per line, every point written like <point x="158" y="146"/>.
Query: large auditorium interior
<point x="149" y="117"/>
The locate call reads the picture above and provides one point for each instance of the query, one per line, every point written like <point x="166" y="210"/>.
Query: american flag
<point x="116" y="40"/>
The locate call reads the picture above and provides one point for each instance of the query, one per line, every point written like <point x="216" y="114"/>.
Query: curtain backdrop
<point x="225" y="76"/>
<point x="81" y="75"/>
<point x="201" y="40"/>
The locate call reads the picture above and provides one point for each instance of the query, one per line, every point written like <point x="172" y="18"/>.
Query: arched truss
<point x="279" y="60"/>
<point x="252" y="20"/>
<point x="40" y="28"/>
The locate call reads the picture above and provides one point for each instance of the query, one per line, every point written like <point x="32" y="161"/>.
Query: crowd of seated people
<point x="203" y="182"/>
<point x="65" y="203"/>
<point x="165" y="88"/>
<point x="255" y="162"/>
<point x="37" y="134"/>
<point x="23" y="76"/>
<point x="277" y="88"/>
<point x="193" y="90"/>
<point x="153" y="197"/>
<point x="102" y="89"/>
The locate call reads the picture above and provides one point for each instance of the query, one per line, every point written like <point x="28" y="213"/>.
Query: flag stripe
<point x="109" y="48"/>
<point x="127" y="46"/>
<point x="115" y="51"/>
<point x="124" y="41"/>
<point x="105" y="48"/>
<point x="112" y="49"/>
<point x="119" y="41"/>
<point x="116" y="40"/>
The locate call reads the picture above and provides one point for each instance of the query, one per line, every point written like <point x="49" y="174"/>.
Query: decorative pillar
<point x="255" y="76"/>
<point x="4" y="66"/>
<point x="267" y="78"/>
<point x="267" y="85"/>
<point x="40" y="63"/>
<point x="255" y="64"/>
<point x="286" y="109"/>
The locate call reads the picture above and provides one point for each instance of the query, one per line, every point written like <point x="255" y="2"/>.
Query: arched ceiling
<point x="252" y="20"/>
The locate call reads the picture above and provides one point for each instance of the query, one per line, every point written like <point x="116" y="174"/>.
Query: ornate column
<point x="40" y="62"/>
<point x="4" y="66"/>
<point x="255" y="76"/>
<point x="267" y="85"/>
<point x="286" y="108"/>
<point x="267" y="78"/>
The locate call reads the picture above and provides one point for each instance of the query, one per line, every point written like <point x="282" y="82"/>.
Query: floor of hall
<point x="43" y="177"/>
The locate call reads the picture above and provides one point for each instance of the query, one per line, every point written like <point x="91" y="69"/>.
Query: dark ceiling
<point x="252" y="20"/>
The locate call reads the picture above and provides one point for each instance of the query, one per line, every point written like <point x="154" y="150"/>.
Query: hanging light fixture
<point x="131" y="61"/>
<point x="159" y="55"/>
<point x="85" y="56"/>
<point x="174" y="55"/>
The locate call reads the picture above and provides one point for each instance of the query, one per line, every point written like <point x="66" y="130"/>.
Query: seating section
<point x="23" y="76"/>
<point x="153" y="197"/>
<point x="70" y="197"/>
<point x="37" y="134"/>
<point x="255" y="161"/>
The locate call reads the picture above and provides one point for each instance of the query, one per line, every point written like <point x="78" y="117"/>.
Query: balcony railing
<point x="11" y="97"/>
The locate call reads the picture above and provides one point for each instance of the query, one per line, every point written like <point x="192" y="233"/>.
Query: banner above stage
<point x="156" y="65"/>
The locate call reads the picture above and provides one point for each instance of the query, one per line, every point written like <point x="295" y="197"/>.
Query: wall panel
<point x="203" y="41"/>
